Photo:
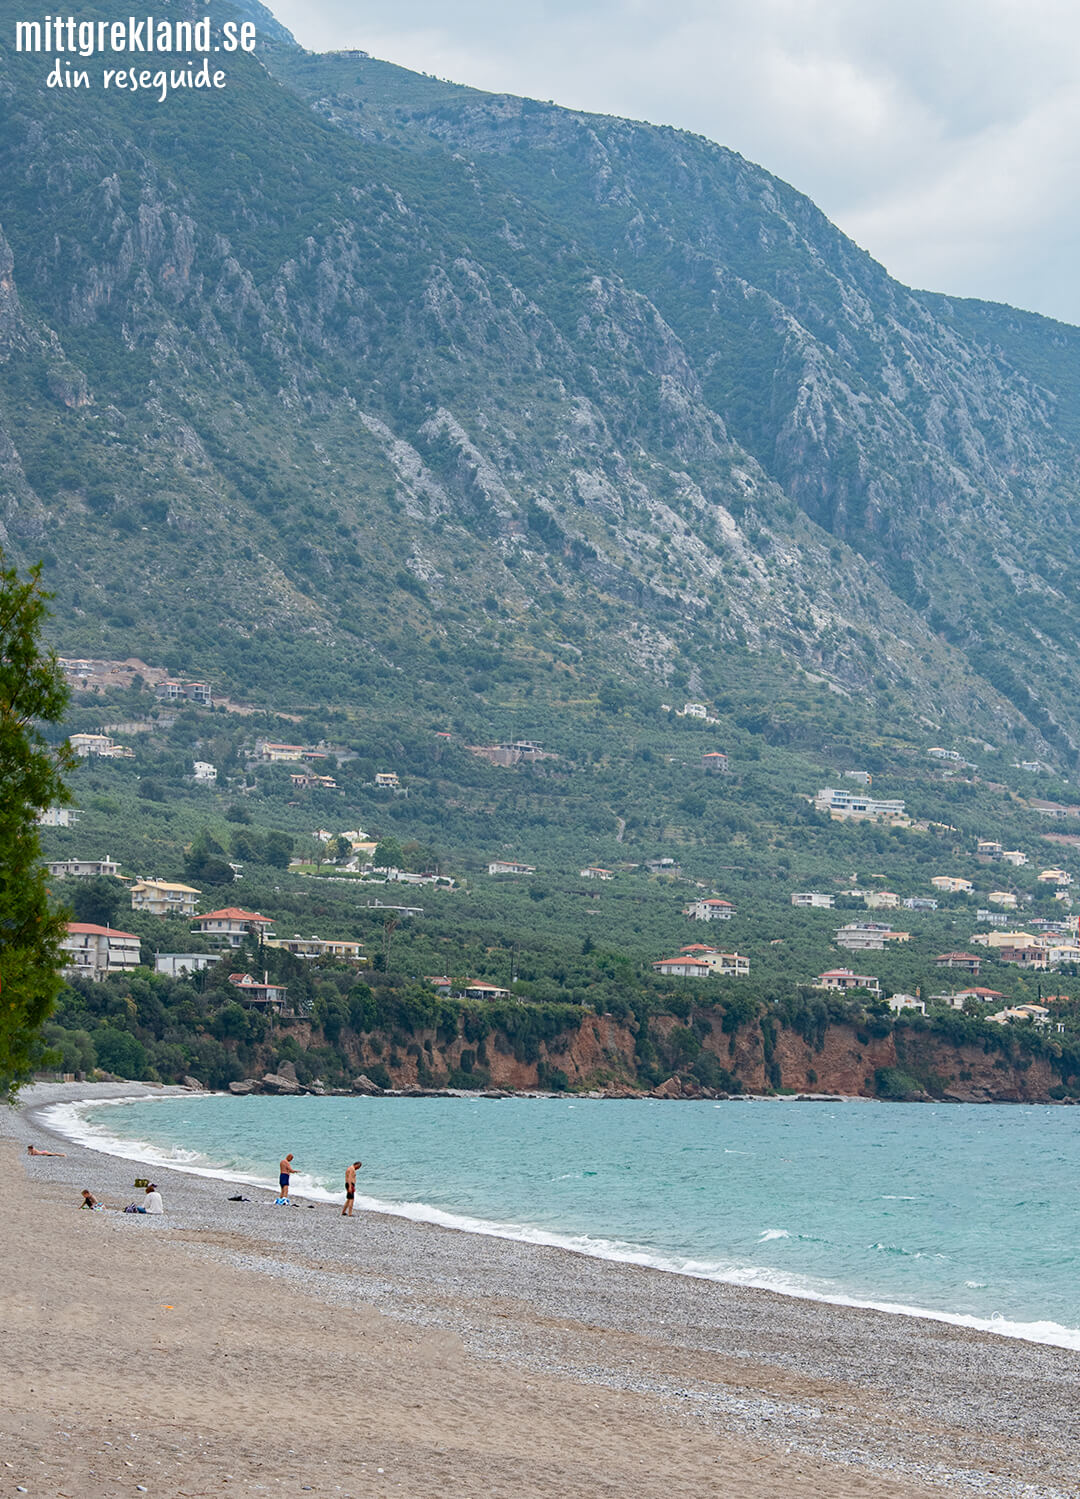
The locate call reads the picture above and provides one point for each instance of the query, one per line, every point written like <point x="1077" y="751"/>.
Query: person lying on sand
<point x="33" y="1150"/>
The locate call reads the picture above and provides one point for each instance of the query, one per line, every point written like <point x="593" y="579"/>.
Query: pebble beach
<point x="243" y="1348"/>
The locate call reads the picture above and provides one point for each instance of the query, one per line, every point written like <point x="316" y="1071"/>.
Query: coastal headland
<point x="235" y="1348"/>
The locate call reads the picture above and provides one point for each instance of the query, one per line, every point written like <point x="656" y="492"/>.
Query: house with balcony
<point x="951" y="884"/>
<point x="841" y="804"/>
<point x="264" y="996"/>
<point x="232" y="926"/>
<point x="510" y="866"/>
<point x="83" y="869"/>
<point x="95" y="952"/>
<point x="1005" y="899"/>
<point x="1014" y="857"/>
<point x="710" y="909"/>
<point x="841" y="980"/>
<point x="682" y="968"/>
<point x="318" y="947"/>
<point x="966" y="961"/>
<point x="813" y="900"/>
<point x="898" y="1003"/>
<point x="58" y="817"/>
<point x="164" y="898"/>
<point x="715" y="762"/>
<point x="181" y="965"/>
<point x="594" y="872"/>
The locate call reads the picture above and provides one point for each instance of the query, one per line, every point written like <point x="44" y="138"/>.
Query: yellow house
<point x="162" y="898"/>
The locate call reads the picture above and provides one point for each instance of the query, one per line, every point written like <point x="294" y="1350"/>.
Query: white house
<point x="951" y="884"/>
<point x="96" y="951"/>
<point x="318" y="947"/>
<point x="1003" y="898"/>
<point x="58" y="817"/>
<point x="900" y="1002"/>
<point x="205" y="772"/>
<point x="510" y="866"/>
<point x="85" y="745"/>
<point x="711" y="909"/>
<point x="1015" y="857"/>
<point x="814" y="899"/>
<point x="683" y="968"/>
<point x="594" y="872"/>
<point x="231" y="926"/>
<point x="842" y="979"/>
<point x="179" y="965"/>
<point x="164" y="898"/>
<point x="83" y="869"/>
<point x="852" y="804"/>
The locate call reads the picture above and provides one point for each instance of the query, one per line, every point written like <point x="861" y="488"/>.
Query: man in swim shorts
<point x="285" y="1170"/>
<point x="350" y="1188"/>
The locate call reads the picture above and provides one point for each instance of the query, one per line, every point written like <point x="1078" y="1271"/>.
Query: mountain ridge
<point x="510" y="389"/>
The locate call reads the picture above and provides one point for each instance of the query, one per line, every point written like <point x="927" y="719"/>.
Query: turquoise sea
<point x="969" y="1213"/>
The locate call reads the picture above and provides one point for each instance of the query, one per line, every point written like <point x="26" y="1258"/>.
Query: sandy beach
<point x="239" y="1348"/>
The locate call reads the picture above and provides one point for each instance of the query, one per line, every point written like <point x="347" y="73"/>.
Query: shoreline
<point x="1041" y="1333"/>
<point x="890" y="1403"/>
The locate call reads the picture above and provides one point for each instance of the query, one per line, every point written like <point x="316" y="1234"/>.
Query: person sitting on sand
<point x="152" y="1202"/>
<point x="33" y="1150"/>
<point x="88" y="1199"/>
<point x="350" y="1188"/>
<point x="285" y="1170"/>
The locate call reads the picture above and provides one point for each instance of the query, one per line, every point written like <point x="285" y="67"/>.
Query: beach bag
<point x="131" y="1208"/>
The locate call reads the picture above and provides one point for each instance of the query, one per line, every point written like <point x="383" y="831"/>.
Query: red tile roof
<point x="88" y="929"/>
<point x="234" y="913"/>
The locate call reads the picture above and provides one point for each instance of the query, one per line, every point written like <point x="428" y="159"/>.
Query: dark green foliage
<point x="32" y="694"/>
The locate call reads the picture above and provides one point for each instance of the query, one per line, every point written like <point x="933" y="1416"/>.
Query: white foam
<point x="68" y="1120"/>
<point x="773" y="1233"/>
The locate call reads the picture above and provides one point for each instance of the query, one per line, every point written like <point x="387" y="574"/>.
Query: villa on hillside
<point x="231" y="926"/>
<point x="920" y="903"/>
<point x="851" y="804"/>
<point x="58" y="817"/>
<point x="682" y="968"/>
<point x="951" y="884"/>
<point x="988" y="848"/>
<point x="1058" y="877"/>
<point x="162" y="898"/>
<point x="1003" y="898"/>
<point x="842" y="979"/>
<point x="715" y="761"/>
<point x="1015" y="857"/>
<point x="710" y="909"/>
<point x="901" y="1002"/>
<point x="181" y="965"/>
<point x="318" y="947"/>
<point x="265" y="996"/>
<point x="868" y="936"/>
<point x="814" y="899"/>
<point x="96" y="951"/>
<point x="594" y="872"/>
<point x="101" y="745"/>
<point x="466" y="988"/>
<point x="83" y="869"/>
<point x="510" y="866"/>
<point x="964" y="960"/>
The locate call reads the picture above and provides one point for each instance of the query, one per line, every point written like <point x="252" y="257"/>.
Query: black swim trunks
<point x="350" y="1193"/>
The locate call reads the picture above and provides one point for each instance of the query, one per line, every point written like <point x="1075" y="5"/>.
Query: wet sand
<point x="242" y="1348"/>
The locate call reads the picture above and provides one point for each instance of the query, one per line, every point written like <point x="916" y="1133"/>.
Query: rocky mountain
<point x="347" y="384"/>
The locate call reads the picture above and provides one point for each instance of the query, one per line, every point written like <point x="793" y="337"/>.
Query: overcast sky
<point x="942" y="135"/>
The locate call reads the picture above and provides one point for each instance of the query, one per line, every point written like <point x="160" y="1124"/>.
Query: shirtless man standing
<point x="350" y="1188"/>
<point x="285" y="1170"/>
